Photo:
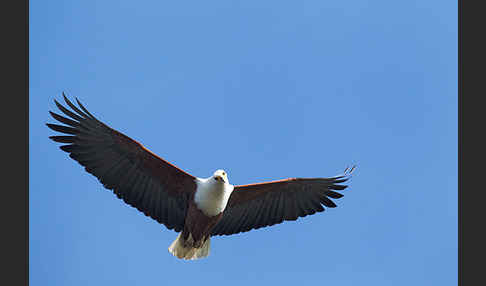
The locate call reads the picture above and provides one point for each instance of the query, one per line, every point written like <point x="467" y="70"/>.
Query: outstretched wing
<point x="139" y="177"/>
<point x="265" y="204"/>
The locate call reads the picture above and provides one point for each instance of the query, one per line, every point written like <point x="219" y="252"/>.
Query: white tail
<point x="178" y="250"/>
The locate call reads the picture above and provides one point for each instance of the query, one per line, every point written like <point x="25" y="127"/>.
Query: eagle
<point x="197" y="208"/>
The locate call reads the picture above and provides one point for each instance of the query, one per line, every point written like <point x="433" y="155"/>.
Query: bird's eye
<point x="224" y="174"/>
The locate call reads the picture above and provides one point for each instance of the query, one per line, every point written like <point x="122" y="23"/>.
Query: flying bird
<point x="198" y="208"/>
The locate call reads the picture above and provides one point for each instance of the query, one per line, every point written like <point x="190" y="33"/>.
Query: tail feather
<point x="179" y="250"/>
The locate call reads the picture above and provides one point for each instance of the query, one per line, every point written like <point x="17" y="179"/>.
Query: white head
<point x="220" y="176"/>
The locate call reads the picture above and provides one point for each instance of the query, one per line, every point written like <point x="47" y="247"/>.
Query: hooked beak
<point x="219" y="178"/>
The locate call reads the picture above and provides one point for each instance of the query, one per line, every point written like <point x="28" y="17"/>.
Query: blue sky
<point x="294" y="89"/>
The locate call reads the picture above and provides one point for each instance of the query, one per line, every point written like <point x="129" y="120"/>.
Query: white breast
<point x="212" y="196"/>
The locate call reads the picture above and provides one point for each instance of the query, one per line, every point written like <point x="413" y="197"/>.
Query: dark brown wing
<point x="136" y="175"/>
<point x="265" y="204"/>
